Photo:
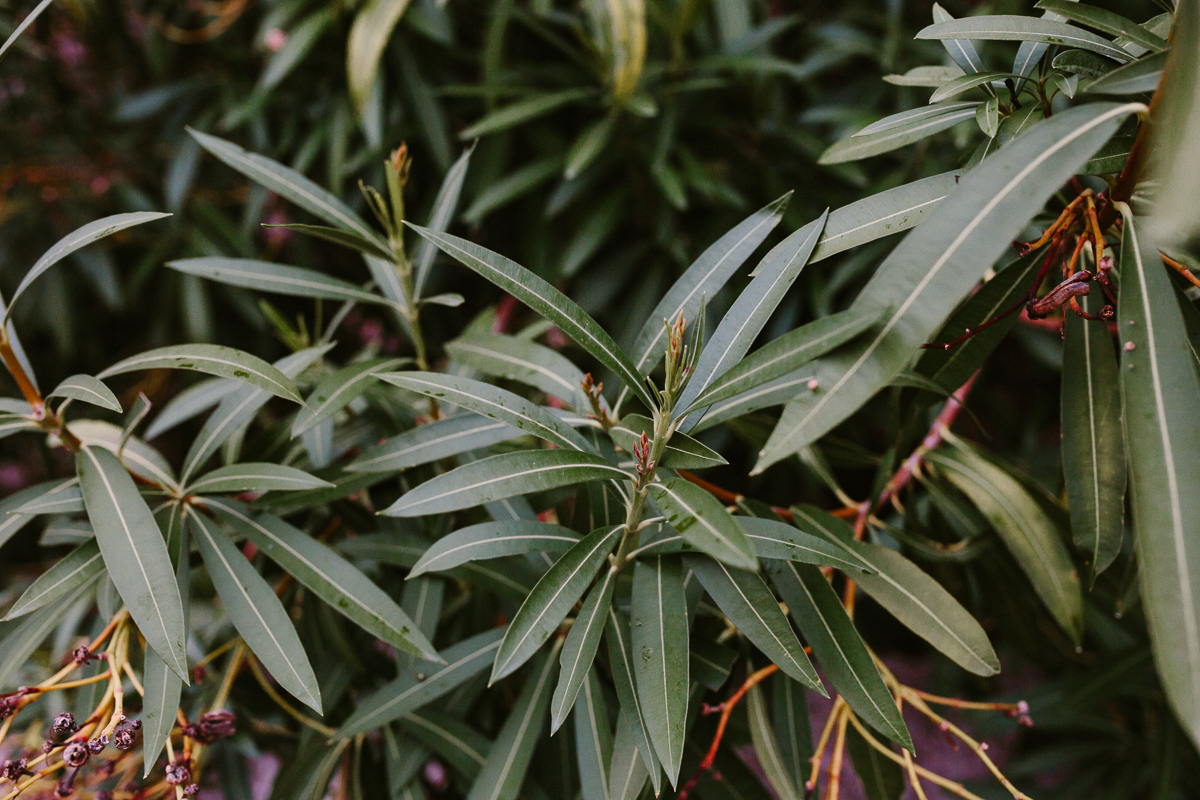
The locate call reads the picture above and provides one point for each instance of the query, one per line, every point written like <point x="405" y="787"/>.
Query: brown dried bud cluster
<point x="212" y="726"/>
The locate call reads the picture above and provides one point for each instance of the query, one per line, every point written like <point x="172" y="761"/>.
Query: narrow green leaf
<point x="494" y="540"/>
<point x="711" y="663"/>
<point x="987" y="116"/>
<point x="522" y="111"/>
<point x="745" y="599"/>
<point x="555" y="594"/>
<point x="508" y="760"/>
<point x="1083" y="63"/>
<point x="787" y="353"/>
<point x="288" y="183"/>
<point x="588" y="146"/>
<point x="519" y="360"/>
<point x="545" y="300"/>
<point x="492" y="402"/>
<point x="778" y="540"/>
<point x="920" y="114"/>
<point x="76" y="239"/>
<point x="962" y="51"/>
<point x="501" y="476"/>
<point x="935" y="265"/>
<point x="700" y="283"/>
<point x="793" y="731"/>
<point x="10" y="522"/>
<point x="1105" y="21"/>
<point x="681" y="452"/>
<point x="929" y="77"/>
<point x="620" y="656"/>
<point x="67" y="499"/>
<point x="748" y="315"/>
<point x="965" y="83"/>
<point x="138" y="457"/>
<point x="1176" y="119"/>
<point x="87" y="389"/>
<point x="81" y="565"/>
<point x="256" y="612"/>
<point x="25" y="637"/>
<point x="1138" y="77"/>
<point x="444" y="206"/>
<point x="338" y="236"/>
<point x="864" y="145"/>
<point x="277" y="278"/>
<point x="1010" y="28"/>
<point x="914" y="598"/>
<point x="240" y="407"/>
<point x="337" y="390"/>
<point x="417" y="686"/>
<point x="1028" y="533"/>
<point x="25" y="23"/>
<point x="373" y="26"/>
<point x="1093" y="450"/>
<point x="329" y="576"/>
<point x="593" y="739"/>
<point x="580" y="646"/>
<point x="627" y="773"/>
<point x="766" y="747"/>
<point x="135" y="554"/>
<point x="1160" y="404"/>
<point x="439" y="439"/>
<point x="463" y="747"/>
<point x="881" y="778"/>
<point x="703" y="522"/>
<point x="660" y="656"/>
<point x="224" y="362"/>
<point x="190" y="403"/>
<point x="839" y="649"/>
<point x="163" y="688"/>
<point x="512" y="187"/>
<point x="255" y="477"/>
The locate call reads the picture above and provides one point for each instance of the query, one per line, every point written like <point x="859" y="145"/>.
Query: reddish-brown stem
<point x="1186" y="273"/>
<point x="30" y="392"/>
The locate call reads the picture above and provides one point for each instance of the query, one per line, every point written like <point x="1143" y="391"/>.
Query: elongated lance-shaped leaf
<point x="545" y="300"/>
<point x="1030" y="53"/>
<point x="746" y="318"/>
<point x="224" y="362"/>
<point x="789" y="716"/>
<point x="1105" y="21"/>
<point x="660" y="656"/>
<point x="937" y="264"/>
<point x="774" y="539"/>
<point x="63" y="500"/>
<point x="288" y="183"/>
<point x="620" y="656"/>
<point x="463" y="747"/>
<point x="839" y="649"/>
<point x="486" y="540"/>
<point x="418" y="685"/>
<point x="369" y="35"/>
<point x="864" y="145"/>
<point x="344" y="238"/>
<point x="135" y="554"/>
<point x="163" y="688"/>
<point x="786" y="354"/>
<point x="1093" y="448"/>
<point x="87" y="389"/>
<point x="508" y="760"/>
<point x="580" y="646"/>
<point x="914" y="598"/>
<point x="681" y="451"/>
<point x="593" y="738"/>
<point x="335" y="580"/>
<point x="962" y="51"/>
<point x="766" y="747"/>
<point x="492" y="402"/>
<point x="138" y="457"/>
<point x="1012" y="28"/>
<point x="1024" y="527"/>
<point x="239" y="407"/>
<point x="80" y="566"/>
<point x="966" y="83"/>
<point x="555" y="594"/>
<point x="256" y="477"/>
<point x="1176" y="120"/>
<point x="1137" y="77"/>
<point x="266" y="276"/>
<point x="627" y="773"/>
<point x="337" y="390"/>
<point x="25" y="637"/>
<point x="523" y="111"/>
<point x="745" y="599"/>
<point x="256" y="612"/>
<point x="920" y="114"/>
<point x="25" y="23"/>
<point x="701" y="282"/>
<point x="444" y="207"/>
<point x="1160" y="398"/>
<point x="451" y="436"/>
<point x="772" y="393"/>
<point x="80" y="237"/>
<point x="519" y="360"/>
<point x="501" y="476"/>
<point x="703" y="522"/>
<point x="11" y="523"/>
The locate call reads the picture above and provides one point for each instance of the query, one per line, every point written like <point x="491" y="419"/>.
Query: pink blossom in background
<point x="274" y="40"/>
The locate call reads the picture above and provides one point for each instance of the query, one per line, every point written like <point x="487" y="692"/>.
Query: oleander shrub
<point x="516" y="455"/>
